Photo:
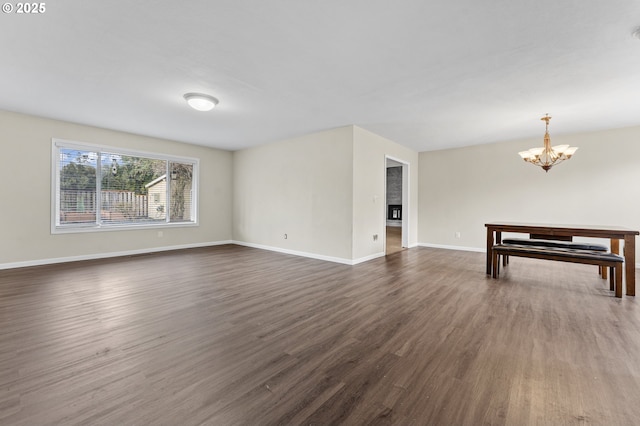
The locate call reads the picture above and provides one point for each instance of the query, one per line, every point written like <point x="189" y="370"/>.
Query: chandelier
<point x="546" y="157"/>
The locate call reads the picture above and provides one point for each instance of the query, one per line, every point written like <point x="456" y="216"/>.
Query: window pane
<point x="77" y="186"/>
<point x="181" y="192"/>
<point x="101" y="190"/>
<point x="127" y="183"/>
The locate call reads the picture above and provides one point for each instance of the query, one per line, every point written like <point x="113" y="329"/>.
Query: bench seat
<point x="563" y="254"/>
<point x="555" y="244"/>
<point x="543" y="241"/>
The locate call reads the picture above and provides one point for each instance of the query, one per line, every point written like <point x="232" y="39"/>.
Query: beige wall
<point x="462" y="189"/>
<point x="326" y="191"/>
<point x="318" y="189"/>
<point x="369" y="174"/>
<point x="25" y="193"/>
<point x="301" y="187"/>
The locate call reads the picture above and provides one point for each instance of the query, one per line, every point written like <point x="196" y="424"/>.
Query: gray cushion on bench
<point x="515" y="250"/>
<point x="555" y="244"/>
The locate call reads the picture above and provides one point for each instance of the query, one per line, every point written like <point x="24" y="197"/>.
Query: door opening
<point x="396" y="212"/>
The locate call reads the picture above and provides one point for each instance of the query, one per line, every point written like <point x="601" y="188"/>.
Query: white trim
<point x="297" y="253"/>
<point x="368" y="258"/>
<point x="66" y="143"/>
<point x="340" y="260"/>
<point x="96" y="256"/>
<point x="76" y="229"/>
<point x="447" y="247"/>
<point x="54" y="202"/>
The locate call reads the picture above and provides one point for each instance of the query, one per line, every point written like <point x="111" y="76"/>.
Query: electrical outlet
<point x="458" y="234"/>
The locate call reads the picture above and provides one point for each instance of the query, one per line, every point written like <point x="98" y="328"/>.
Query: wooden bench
<point x="553" y="241"/>
<point x="589" y="257"/>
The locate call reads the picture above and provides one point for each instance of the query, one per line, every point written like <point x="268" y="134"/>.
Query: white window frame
<point x="58" y="228"/>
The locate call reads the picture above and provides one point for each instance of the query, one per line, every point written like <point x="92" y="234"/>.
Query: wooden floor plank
<point x="240" y="336"/>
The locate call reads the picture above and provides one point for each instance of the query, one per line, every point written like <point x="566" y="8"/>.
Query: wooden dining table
<point x="614" y="233"/>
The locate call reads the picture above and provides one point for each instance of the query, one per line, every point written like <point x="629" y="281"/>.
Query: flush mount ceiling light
<point x="546" y="157"/>
<point x="200" y="101"/>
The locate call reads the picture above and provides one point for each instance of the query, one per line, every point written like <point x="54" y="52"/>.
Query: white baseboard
<point x="367" y="258"/>
<point x="447" y="247"/>
<point x="297" y="253"/>
<point x="95" y="256"/>
<point x="340" y="260"/>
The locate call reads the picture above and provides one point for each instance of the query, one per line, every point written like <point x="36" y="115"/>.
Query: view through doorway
<point x="395" y="203"/>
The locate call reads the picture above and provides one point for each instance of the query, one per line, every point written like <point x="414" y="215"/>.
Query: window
<point x="100" y="188"/>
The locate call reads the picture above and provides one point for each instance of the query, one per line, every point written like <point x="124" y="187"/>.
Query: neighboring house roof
<point x="155" y="181"/>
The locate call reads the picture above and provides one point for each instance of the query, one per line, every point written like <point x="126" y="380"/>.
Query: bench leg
<point x="603" y="272"/>
<point x="496" y="264"/>
<point x="618" y="272"/>
<point x="611" y="277"/>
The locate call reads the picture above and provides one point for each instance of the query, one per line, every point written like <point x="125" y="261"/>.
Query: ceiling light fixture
<point x="546" y="157"/>
<point x="200" y="101"/>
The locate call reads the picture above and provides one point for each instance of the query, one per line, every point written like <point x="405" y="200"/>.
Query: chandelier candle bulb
<point x="546" y="157"/>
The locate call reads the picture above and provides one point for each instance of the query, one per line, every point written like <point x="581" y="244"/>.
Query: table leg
<point x="615" y="246"/>
<point x="489" y="249"/>
<point x="630" y="264"/>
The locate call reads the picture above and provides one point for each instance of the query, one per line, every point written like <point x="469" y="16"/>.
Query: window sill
<point x="75" y="229"/>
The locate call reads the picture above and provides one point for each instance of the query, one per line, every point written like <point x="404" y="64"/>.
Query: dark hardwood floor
<point x="231" y="335"/>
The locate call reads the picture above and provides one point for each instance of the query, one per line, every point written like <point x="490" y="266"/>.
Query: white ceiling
<point x="426" y="74"/>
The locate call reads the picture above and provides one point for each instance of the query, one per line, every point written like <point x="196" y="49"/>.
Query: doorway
<point x="396" y="211"/>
